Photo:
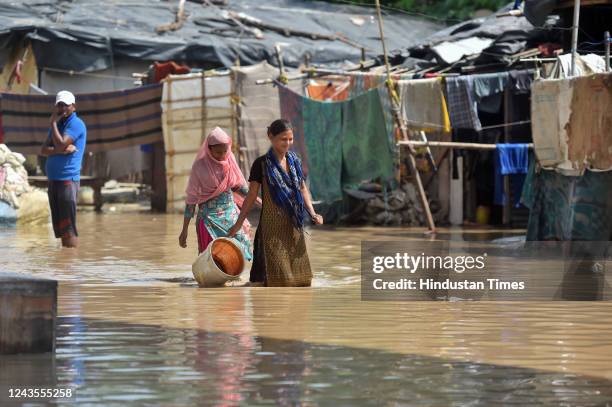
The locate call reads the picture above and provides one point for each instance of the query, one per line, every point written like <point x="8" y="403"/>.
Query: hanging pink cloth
<point x="210" y="177"/>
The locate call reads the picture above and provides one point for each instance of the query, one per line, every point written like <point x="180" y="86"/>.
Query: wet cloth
<point x="512" y="160"/>
<point x="423" y="105"/>
<point x="280" y="255"/>
<point x="568" y="207"/>
<point x="215" y="218"/>
<point x="63" y="204"/>
<point x="462" y="107"/>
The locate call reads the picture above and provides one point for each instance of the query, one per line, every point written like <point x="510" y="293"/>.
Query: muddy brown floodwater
<point x="134" y="328"/>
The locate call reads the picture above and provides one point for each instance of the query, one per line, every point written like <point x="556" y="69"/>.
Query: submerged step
<point x="28" y="311"/>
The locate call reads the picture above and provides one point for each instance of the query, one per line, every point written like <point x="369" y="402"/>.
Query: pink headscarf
<point x="210" y="178"/>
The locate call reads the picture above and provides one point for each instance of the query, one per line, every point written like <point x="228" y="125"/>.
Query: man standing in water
<point x="64" y="148"/>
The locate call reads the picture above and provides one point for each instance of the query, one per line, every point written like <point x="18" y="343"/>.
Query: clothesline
<point x="93" y="75"/>
<point x="452" y="144"/>
<point x="413" y="123"/>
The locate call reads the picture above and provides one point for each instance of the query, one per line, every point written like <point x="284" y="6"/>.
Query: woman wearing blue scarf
<point x="280" y="257"/>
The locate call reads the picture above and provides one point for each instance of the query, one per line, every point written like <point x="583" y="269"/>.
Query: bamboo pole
<point x="452" y="144"/>
<point x="575" y="26"/>
<point x="312" y="72"/>
<point x="607" y="48"/>
<point x="398" y="119"/>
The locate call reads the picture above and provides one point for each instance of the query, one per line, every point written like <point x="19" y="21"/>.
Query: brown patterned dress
<point x="280" y="256"/>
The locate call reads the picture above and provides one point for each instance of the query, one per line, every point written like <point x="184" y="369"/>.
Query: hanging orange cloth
<point x="329" y="91"/>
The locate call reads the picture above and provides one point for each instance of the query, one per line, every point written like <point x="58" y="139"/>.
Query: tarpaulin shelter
<point x="486" y="43"/>
<point x="90" y="35"/>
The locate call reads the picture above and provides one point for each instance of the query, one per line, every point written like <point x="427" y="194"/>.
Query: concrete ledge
<point x="28" y="312"/>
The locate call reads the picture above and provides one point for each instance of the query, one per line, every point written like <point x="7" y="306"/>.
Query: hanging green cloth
<point x="323" y="140"/>
<point x="340" y="143"/>
<point x="366" y="153"/>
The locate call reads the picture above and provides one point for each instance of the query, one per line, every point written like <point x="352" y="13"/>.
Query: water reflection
<point x="134" y="328"/>
<point x="116" y="363"/>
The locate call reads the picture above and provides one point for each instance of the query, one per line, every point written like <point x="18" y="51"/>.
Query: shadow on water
<point x="114" y="363"/>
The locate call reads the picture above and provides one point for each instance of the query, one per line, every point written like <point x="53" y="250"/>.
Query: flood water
<point x="134" y="328"/>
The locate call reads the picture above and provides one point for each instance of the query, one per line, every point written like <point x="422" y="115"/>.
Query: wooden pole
<point x="282" y="77"/>
<point x="607" y="47"/>
<point x="575" y="25"/>
<point x="313" y="72"/>
<point x="507" y="208"/>
<point x="398" y="119"/>
<point x="452" y="144"/>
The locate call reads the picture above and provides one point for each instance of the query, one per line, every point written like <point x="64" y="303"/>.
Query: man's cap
<point x="65" y="97"/>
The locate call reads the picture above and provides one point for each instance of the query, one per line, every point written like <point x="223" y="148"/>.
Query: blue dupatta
<point x="285" y="187"/>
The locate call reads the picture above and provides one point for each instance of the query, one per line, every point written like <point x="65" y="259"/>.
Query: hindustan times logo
<point x="411" y="263"/>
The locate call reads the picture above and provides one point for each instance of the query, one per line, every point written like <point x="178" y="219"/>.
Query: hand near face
<point x="54" y="117"/>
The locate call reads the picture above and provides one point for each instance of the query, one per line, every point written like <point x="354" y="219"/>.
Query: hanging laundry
<point x="461" y="103"/>
<point x="163" y="69"/>
<point x="512" y="160"/>
<point x="329" y="91"/>
<point x="567" y="207"/>
<point x="114" y="119"/>
<point x="570" y="122"/>
<point x="423" y="104"/>
<point x="366" y="153"/>
<point x="489" y="90"/>
<point x="489" y="84"/>
<point x="292" y="109"/>
<point x="589" y="131"/>
<point x="362" y="83"/>
<point x="323" y="139"/>
<point x="341" y="143"/>
<point x="521" y="80"/>
<point x="585" y="65"/>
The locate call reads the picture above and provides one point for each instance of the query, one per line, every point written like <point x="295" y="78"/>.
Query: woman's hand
<point x="234" y="229"/>
<point x="183" y="238"/>
<point x="317" y="219"/>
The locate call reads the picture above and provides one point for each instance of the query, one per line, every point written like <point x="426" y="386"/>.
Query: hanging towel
<point x="513" y="160"/>
<point x="461" y="103"/>
<point x="423" y="104"/>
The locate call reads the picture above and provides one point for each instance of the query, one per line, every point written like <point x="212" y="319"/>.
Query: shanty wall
<point x="192" y="106"/>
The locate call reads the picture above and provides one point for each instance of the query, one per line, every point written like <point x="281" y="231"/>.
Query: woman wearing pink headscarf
<point x="214" y="182"/>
